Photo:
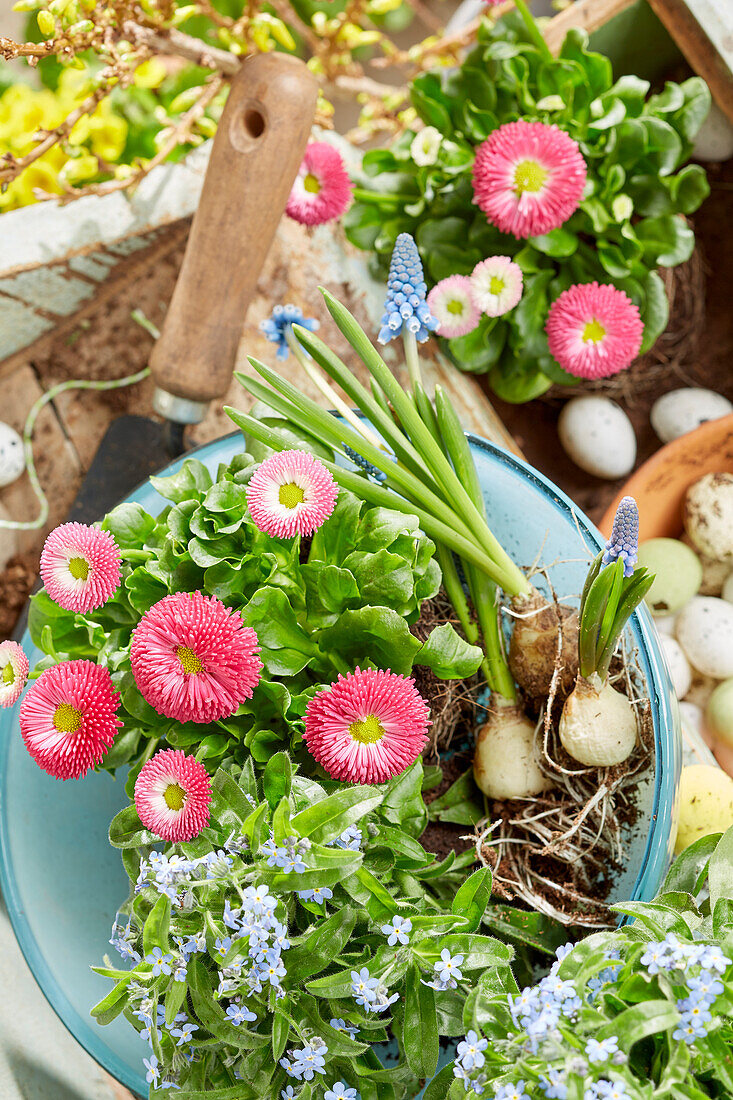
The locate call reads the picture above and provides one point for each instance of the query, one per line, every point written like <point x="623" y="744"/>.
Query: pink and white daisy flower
<point x="452" y="304"/>
<point x="496" y="285"/>
<point x="291" y="493"/>
<point x="594" y="330"/>
<point x="172" y="796"/>
<point x="367" y="727"/>
<point x="68" y="718"/>
<point x="322" y="188"/>
<point x="193" y="659"/>
<point x="80" y="566"/>
<point x="13" y="673"/>
<point x="528" y="177"/>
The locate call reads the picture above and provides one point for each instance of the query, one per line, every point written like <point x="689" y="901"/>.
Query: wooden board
<point x="703" y="30"/>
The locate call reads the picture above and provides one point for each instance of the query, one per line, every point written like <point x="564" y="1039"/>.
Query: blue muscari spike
<point x="366" y="465"/>
<point x="405" y="306"/>
<point x="276" y="326"/>
<point x="624" y="541"/>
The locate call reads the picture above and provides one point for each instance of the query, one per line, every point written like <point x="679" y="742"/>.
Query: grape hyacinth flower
<point x="68" y="718"/>
<point x="528" y="178"/>
<point x="278" y="325"/>
<point x="405" y="307"/>
<point x="291" y="493"/>
<point x="594" y="330"/>
<point x="624" y="541"/>
<point x="367" y="727"/>
<point x="172" y="795"/>
<point x="426" y="146"/>
<point x="496" y="285"/>
<point x="193" y="658"/>
<point x="80" y="567"/>
<point x="398" y="930"/>
<point x="322" y="188"/>
<point x="452" y="304"/>
<point x="14" y="668"/>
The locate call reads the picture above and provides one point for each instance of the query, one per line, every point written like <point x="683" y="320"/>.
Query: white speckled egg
<point x="714" y="140"/>
<point x="681" y="411"/>
<point x="692" y="717"/>
<point x="12" y="460"/>
<point x="665" y="624"/>
<point x="705" y="632"/>
<point x="727" y="591"/>
<point x="708" y="516"/>
<point x="597" y="434"/>
<point x="678" y="665"/>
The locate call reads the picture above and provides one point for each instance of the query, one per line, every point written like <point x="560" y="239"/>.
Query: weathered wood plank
<point x="703" y="30"/>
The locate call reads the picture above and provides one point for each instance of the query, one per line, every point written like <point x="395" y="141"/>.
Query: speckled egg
<point x="719" y="711"/>
<point x="681" y="411"/>
<point x="12" y="459"/>
<point x="665" y="624"/>
<point x="705" y="632"/>
<point x="677" y="574"/>
<point x="678" y="665"/>
<point x="708" y="516"/>
<point x="727" y="589"/>
<point x="597" y="435"/>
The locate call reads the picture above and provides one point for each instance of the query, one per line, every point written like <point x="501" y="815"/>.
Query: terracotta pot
<point x="659" y="488"/>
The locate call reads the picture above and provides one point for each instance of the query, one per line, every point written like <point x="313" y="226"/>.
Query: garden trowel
<point x="255" y="158"/>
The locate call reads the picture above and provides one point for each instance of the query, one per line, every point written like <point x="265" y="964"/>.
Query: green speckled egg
<point x="678" y="574"/>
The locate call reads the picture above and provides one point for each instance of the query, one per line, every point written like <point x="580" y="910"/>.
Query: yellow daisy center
<point x="312" y="184"/>
<point x="175" y="797"/>
<point x="291" y="495"/>
<point x="368" y="730"/>
<point x="496" y="285"/>
<point x="593" y="332"/>
<point x="455" y="306"/>
<point x="79" y="568"/>
<point x="189" y="661"/>
<point x="67" y="719"/>
<point x="8" y="674"/>
<point x="530" y="176"/>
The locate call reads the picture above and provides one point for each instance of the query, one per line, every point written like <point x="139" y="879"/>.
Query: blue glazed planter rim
<point x="654" y="862"/>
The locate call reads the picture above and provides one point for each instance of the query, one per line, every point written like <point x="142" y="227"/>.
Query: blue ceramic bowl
<point x="63" y="882"/>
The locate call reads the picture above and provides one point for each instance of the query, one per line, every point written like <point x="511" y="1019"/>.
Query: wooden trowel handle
<point x="256" y="154"/>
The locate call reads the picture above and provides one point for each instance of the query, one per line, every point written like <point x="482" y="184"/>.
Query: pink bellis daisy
<point x="452" y="304"/>
<point x="367" y="727"/>
<point x="322" y="188"/>
<point x="172" y="795"/>
<point x="594" y="330"/>
<point x="496" y="285"/>
<point x="13" y="673"/>
<point x="528" y="178"/>
<point x="68" y="718"/>
<point x="80" y="567"/>
<point x="193" y="659"/>
<point x="291" y="493"/>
